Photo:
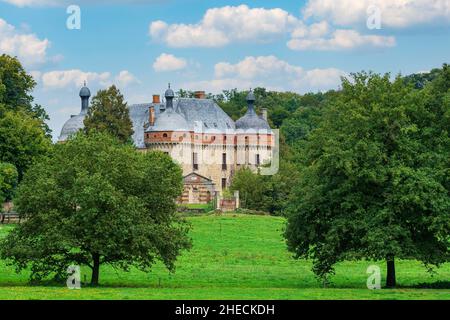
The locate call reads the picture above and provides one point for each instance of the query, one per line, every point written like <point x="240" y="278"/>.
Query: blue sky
<point x="142" y="45"/>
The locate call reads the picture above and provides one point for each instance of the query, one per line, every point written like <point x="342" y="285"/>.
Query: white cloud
<point x="75" y="78"/>
<point x="269" y="72"/>
<point x="221" y="26"/>
<point x="394" y="13"/>
<point x="168" y="62"/>
<point x="126" y="78"/>
<point x="27" y="47"/>
<point x="257" y="67"/>
<point x="314" y="30"/>
<point x="217" y="85"/>
<point x="45" y="3"/>
<point x="26" y="3"/>
<point x="341" y="39"/>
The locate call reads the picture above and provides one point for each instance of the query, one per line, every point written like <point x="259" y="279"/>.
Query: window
<point x="194" y="161"/>
<point x="165" y="135"/>
<point x="224" y="161"/>
<point x="224" y="183"/>
<point x="258" y="160"/>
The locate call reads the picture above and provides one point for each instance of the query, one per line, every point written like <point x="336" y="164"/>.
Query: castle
<point x="208" y="145"/>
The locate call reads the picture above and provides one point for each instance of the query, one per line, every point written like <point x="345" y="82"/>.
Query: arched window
<point x="165" y="135"/>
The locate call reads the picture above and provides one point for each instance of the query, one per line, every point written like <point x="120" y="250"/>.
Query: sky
<point x="142" y="45"/>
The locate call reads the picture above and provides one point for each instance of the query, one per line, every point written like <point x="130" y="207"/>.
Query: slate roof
<point x="252" y="121"/>
<point x="72" y="126"/>
<point x="139" y="117"/>
<point x="170" y="121"/>
<point x="187" y="112"/>
<point x="205" y="111"/>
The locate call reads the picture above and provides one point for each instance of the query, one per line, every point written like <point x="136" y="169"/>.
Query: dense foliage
<point x="374" y="177"/>
<point x="109" y="113"/>
<point x="265" y="193"/>
<point x="16" y="86"/>
<point x="97" y="201"/>
<point x="22" y="139"/>
<point x="8" y="181"/>
<point x="23" y="131"/>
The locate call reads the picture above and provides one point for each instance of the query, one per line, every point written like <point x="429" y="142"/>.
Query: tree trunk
<point x="95" y="269"/>
<point x="390" y="278"/>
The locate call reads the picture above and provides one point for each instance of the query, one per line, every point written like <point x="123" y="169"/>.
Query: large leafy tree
<point x="16" y="86"/>
<point x="374" y="177"/>
<point x="21" y="139"/>
<point x="24" y="134"/>
<point x="298" y="126"/>
<point x="8" y="181"/>
<point x="97" y="201"/>
<point x="109" y="113"/>
<point x="266" y="193"/>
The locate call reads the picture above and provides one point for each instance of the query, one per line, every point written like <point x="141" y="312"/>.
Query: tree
<point x="8" y="181"/>
<point x="21" y="139"/>
<point x="372" y="185"/>
<point x="300" y="124"/>
<point x="266" y="193"/>
<point x="97" y="201"/>
<point x="16" y="86"/>
<point x="251" y="189"/>
<point x="109" y="113"/>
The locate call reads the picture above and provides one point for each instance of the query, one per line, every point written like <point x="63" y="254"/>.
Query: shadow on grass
<point x="433" y="285"/>
<point x="438" y="285"/>
<point x="62" y="284"/>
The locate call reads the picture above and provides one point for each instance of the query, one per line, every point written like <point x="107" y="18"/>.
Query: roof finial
<point x="169" y="85"/>
<point x="84" y="83"/>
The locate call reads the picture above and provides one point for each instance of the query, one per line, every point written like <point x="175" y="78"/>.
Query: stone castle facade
<point x="208" y="145"/>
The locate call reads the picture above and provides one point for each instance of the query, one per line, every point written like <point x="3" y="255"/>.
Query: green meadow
<point x="235" y="257"/>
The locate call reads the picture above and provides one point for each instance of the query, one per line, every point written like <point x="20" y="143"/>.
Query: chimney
<point x="200" y="95"/>
<point x="264" y="113"/>
<point x="156" y="98"/>
<point x="151" y="115"/>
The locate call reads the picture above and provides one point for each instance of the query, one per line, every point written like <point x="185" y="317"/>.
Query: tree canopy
<point x="8" y="181"/>
<point x="109" y="113"/>
<point x="22" y="139"/>
<point x="16" y="86"/>
<point x="374" y="177"/>
<point x="24" y="134"/>
<point x="94" y="201"/>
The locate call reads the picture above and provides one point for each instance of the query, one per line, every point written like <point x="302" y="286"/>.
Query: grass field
<point x="236" y="257"/>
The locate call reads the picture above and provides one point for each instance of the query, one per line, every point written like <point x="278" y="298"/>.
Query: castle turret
<point x="85" y="94"/>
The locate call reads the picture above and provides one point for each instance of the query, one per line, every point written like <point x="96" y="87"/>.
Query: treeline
<point x="296" y="116"/>
<point x="90" y="201"/>
<point x="364" y="171"/>
<point x="24" y="134"/>
<point x="364" y="174"/>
